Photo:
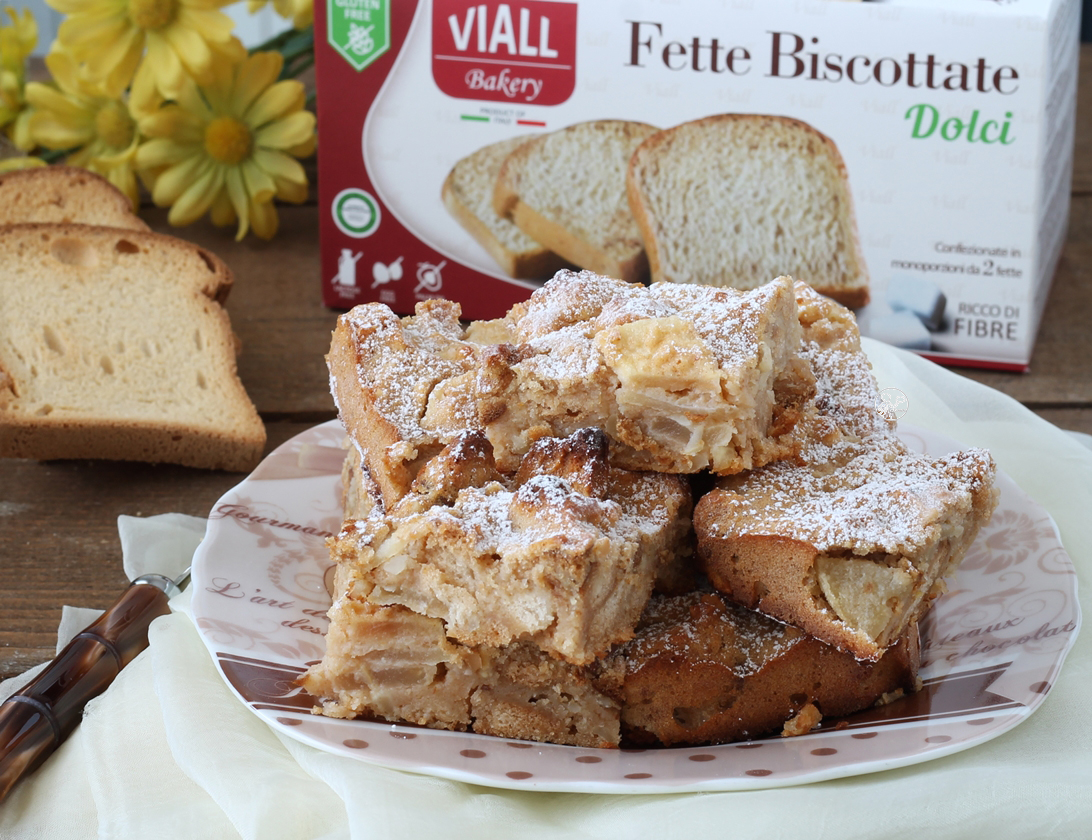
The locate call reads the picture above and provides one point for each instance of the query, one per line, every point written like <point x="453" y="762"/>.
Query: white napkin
<point x="168" y="752"/>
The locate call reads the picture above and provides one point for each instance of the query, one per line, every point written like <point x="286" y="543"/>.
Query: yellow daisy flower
<point x="93" y="122"/>
<point x="300" y="12"/>
<point x="17" y="41"/>
<point x="227" y="148"/>
<point x="174" y="38"/>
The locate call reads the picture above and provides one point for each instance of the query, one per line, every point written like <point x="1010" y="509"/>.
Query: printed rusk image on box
<point x="910" y="159"/>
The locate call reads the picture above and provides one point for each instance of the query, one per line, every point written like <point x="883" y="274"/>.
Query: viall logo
<point x="521" y="52"/>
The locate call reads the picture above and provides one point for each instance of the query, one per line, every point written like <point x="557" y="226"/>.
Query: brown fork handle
<point x="35" y="720"/>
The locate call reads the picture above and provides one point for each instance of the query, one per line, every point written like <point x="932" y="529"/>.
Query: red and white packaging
<point x="955" y="120"/>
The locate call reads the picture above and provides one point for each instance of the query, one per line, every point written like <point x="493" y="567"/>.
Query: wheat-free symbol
<point x="360" y="38"/>
<point x="429" y="277"/>
<point x="893" y="403"/>
<point x="359" y="30"/>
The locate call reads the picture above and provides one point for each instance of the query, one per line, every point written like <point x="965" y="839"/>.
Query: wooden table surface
<point x="58" y="520"/>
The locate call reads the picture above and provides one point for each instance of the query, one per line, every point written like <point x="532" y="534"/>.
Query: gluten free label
<point x="360" y="30"/>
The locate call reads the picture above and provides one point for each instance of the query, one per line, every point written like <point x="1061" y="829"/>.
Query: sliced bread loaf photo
<point x="468" y="195"/>
<point x="735" y="200"/>
<point x="114" y="345"/>
<point x="567" y="190"/>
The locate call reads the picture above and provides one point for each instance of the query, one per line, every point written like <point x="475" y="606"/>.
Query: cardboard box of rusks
<point x="910" y="158"/>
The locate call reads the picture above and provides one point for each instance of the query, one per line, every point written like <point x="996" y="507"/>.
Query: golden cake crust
<point x="702" y="670"/>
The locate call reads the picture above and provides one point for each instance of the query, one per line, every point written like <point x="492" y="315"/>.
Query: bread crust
<point x="109" y="440"/>
<point x="526" y="265"/>
<point x="577" y="250"/>
<point x="654" y="160"/>
<point x="64" y="195"/>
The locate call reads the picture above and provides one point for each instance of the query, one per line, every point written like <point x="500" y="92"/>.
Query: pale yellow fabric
<point x="168" y="752"/>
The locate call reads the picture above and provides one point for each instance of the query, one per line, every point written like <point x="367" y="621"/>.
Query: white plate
<point x="991" y="649"/>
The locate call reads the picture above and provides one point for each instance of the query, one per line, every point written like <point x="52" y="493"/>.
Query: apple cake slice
<point x="851" y="550"/>
<point x="853" y="539"/>
<point x="564" y="554"/>
<point x="702" y="670"/>
<point x="681" y="379"/>
<point x="394" y="664"/>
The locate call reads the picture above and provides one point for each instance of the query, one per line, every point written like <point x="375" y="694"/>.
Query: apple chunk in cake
<point x="852" y="549"/>
<point x="564" y="554"/>
<point x="393" y="664"/>
<point x="682" y="378"/>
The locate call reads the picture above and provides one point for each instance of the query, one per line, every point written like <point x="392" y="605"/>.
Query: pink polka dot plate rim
<point x="991" y="649"/>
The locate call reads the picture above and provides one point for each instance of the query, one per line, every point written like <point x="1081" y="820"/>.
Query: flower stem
<point x="295" y="68"/>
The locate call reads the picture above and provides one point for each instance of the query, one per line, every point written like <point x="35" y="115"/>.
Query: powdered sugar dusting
<point x="571" y="297"/>
<point x="566" y="355"/>
<point x="733" y="323"/>
<point x="847" y="398"/>
<point x="498" y="520"/>
<point x="399" y="361"/>
<point x="866" y="497"/>
<point x="563" y="317"/>
<point x="846" y="389"/>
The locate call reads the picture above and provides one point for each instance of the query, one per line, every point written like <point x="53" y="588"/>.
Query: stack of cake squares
<point x="629" y="515"/>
